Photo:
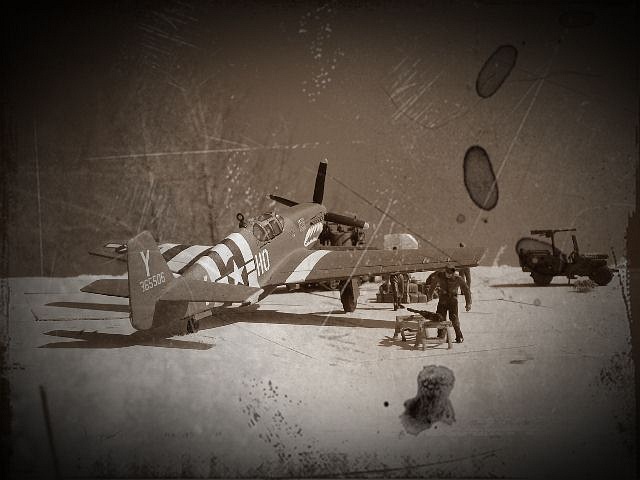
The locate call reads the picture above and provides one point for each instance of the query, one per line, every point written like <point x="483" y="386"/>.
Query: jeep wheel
<point x="541" y="279"/>
<point x="602" y="276"/>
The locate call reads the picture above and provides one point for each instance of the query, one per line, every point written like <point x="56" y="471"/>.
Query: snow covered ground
<point x="543" y="386"/>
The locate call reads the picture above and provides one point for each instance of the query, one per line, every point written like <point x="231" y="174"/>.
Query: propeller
<point x="318" y="195"/>
<point x="284" y="201"/>
<point x="318" y="191"/>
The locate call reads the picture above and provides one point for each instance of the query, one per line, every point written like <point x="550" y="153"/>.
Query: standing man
<point x="396" y="286"/>
<point x="449" y="283"/>
<point x="465" y="273"/>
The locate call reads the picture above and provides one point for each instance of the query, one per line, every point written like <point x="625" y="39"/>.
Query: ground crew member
<point x="465" y="272"/>
<point x="405" y="284"/>
<point x="449" y="282"/>
<point x="396" y="290"/>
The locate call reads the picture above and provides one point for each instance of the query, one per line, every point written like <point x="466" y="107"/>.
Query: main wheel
<point x="348" y="298"/>
<point x="541" y="279"/>
<point x="343" y="239"/>
<point x="193" y="325"/>
<point x="602" y="276"/>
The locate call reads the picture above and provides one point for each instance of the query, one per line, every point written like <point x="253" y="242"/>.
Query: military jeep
<point x="546" y="261"/>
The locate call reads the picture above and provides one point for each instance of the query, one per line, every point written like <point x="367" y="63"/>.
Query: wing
<point x="321" y="265"/>
<point x="178" y="256"/>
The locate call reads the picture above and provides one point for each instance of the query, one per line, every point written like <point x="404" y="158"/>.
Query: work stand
<point x="420" y="325"/>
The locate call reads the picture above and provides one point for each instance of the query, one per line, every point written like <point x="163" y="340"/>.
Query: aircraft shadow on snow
<point x="165" y="339"/>
<point x="106" y="307"/>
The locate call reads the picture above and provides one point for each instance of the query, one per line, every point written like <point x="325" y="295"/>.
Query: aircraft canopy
<point x="267" y="226"/>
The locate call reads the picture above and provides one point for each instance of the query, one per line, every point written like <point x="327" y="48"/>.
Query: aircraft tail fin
<point x="149" y="277"/>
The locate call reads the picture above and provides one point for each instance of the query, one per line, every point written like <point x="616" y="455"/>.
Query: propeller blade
<point x="318" y="191"/>
<point x="284" y="201"/>
<point x="345" y="220"/>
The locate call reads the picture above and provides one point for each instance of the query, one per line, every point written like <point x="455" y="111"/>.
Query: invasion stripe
<point x="166" y="246"/>
<point x="237" y="243"/>
<point x="224" y="252"/>
<point x="242" y="244"/>
<point x="211" y="268"/>
<point x="302" y="271"/>
<point x="215" y="258"/>
<point x="184" y="258"/>
<point x="173" y="251"/>
<point x="221" y="255"/>
<point x="235" y="251"/>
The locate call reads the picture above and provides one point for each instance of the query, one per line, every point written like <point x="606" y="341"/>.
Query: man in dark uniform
<point x="449" y="283"/>
<point x="396" y="290"/>
<point x="465" y="272"/>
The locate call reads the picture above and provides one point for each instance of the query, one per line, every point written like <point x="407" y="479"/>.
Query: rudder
<point x="149" y="276"/>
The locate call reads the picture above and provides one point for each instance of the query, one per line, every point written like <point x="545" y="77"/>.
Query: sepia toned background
<point x="174" y="116"/>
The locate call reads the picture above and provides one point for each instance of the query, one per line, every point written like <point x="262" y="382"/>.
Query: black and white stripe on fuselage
<point x="231" y="261"/>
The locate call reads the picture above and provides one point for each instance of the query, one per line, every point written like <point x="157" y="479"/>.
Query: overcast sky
<point x="386" y="92"/>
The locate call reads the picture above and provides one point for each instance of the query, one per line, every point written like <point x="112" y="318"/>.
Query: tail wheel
<point x="541" y="279"/>
<point x="348" y="298"/>
<point x="602" y="276"/>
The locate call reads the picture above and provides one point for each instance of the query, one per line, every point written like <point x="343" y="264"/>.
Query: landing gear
<point x="193" y="325"/>
<point x="349" y="293"/>
<point x="541" y="279"/>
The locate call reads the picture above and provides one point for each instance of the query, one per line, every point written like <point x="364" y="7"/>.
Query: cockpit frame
<point x="267" y="226"/>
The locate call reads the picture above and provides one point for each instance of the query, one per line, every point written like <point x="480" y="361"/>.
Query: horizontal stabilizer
<point x="191" y="290"/>
<point x="117" y="250"/>
<point x="114" y="287"/>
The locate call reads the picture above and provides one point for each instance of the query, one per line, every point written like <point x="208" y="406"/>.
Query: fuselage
<point x="250" y="255"/>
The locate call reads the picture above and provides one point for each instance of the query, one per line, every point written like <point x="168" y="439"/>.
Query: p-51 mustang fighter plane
<point x="171" y="283"/>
